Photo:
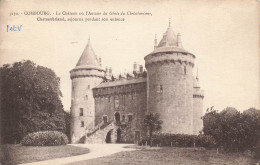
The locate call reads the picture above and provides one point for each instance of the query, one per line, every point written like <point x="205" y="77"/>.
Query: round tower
<point x="170" y="84"/>
<point x="198" y="96"/>
<point x="86" y="75"/>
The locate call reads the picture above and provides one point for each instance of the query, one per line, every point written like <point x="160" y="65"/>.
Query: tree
<point x="232" y="130"/>
<point x="152" y="123"/>
<point x="30" y="101"/>
<point x="67" y="123"/>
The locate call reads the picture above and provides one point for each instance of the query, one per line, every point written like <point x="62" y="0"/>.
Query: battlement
<point x="198" y="93"/>
<point x="169" y="57"/>
<point x="86" y="72"/>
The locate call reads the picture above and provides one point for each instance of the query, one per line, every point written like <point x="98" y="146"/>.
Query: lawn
<point x="15" y="154"/>
<point x="171" y="156"/>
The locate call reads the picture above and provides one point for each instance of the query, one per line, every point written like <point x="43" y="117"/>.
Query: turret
<point x="198" y="96"/>
<point x="86" y="75"/>
<point x="170" y="84"/>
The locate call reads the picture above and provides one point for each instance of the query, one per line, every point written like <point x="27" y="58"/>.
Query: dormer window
<point x="159" y="88"/>
<point x="130" y="118"/>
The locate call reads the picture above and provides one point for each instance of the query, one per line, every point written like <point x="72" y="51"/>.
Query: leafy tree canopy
<point x="152" y="123"/>
<point x="30" y="100"/>
<point x="233" y="130"/>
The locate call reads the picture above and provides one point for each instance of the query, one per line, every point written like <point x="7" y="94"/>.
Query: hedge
<point x="180" y="140"/>
<point x="45" y="138"/>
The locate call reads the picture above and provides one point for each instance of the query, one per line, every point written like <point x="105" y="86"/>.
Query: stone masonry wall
<point x="197" y="111"/>
<point x="131" y="101"/>
<point x="82" y="97"/>
<point x="170" y="91"/>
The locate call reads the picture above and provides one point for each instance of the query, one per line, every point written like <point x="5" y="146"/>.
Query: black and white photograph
<point x="130" y="82"/>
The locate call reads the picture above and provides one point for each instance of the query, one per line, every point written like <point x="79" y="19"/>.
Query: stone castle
<point x="106" y="109"/>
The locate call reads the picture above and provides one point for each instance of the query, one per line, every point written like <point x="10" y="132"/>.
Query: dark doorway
<point x="118" y="137"/>
<point x="108" y="137"/>
<point x="117" y="117"/>
<point x="137" y="136"/>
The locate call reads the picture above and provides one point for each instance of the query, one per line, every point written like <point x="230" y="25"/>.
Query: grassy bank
<point x="167" y="155"/>
<point x="16" y="154"/>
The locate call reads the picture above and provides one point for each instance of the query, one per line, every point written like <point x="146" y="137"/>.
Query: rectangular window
<point x="123" y="100"/>
<point x="130" y="118"/>
<point x="109" y="99"/>
<point x="86" y="97"/>
<point x="105" y="119"/>
<point x="88" y="86"/>
<point x="185" y="69"/>
<point x="81" y="112"/>
<point x="132" y="96"/>
<point x="161" y="88"/>
<point x="82" y="123"/>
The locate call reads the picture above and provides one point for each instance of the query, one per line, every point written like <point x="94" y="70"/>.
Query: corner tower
<point x="86" y="75"/>
<point x="198" y="95"/>
<point x="170" y="83"/>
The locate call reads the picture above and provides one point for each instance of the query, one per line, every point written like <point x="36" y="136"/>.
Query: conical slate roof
<point x="88" y="57"/>
<point x="169" y="38"/>
<point x="169" y="43"/>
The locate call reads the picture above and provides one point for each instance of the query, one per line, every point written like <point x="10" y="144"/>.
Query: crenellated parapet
<point x="87" y="72"/>
<point x="120" y="87"/>
<point x="198" y="93"/>
<point x="164" y="58"/>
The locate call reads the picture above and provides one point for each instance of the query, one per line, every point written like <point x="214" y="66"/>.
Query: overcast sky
<point x="223" y="35"/>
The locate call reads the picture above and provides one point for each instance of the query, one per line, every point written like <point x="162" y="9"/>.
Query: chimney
<point x="155" y="42"/>
<point x="110" y="71"/>
<point x="135" y="66"/>
<point x="99" y="60"/>
<point x="179" y="44"/>
<point x="141" y="69"/>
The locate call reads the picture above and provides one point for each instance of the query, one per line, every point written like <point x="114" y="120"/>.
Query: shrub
<point x="45" y="138"/>
<point x="180" y="140"/>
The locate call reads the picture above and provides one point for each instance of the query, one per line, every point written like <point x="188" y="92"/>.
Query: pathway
<point x="96" y="150"/>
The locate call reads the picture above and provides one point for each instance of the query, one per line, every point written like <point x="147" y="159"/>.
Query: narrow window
<point x="86" y="97"/>
<point x="109" y="99"/>
<point x="81" y="112"/>
<point x="88" y="86"/>
<point x="132" y="96"/>
<point x="124" y="100"/>
<point x="82" y="123"/>
<point x="185" y="69"/>
<point x="161" y="88"/>
<point x="130" y="118"/>
<point x="105" y="119"/>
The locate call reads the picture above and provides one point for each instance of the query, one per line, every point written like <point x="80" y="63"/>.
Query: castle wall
<point x="170" y="90"/>
<point x="127" y="99"/>
<point x="197" y="111"/>
<point x="82" y="98"/>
